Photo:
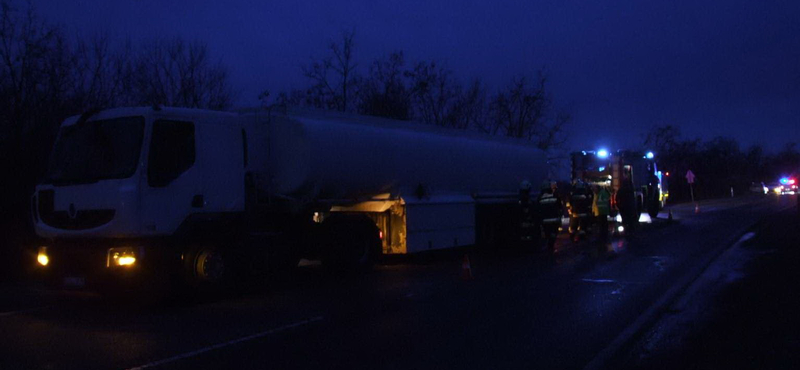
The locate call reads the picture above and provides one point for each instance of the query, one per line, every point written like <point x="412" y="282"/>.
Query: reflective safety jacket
<point x="550" y="208"/>
<point x="602" y="202"/>
<point x="581" y="203"/>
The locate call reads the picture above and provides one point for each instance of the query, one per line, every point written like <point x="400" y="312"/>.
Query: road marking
<point x="10" y="313"/>
<point x="599" y="281"/>
<point x="601" y="360"/>
<point x="228" y="343"/>
<point x="746" y="237"/>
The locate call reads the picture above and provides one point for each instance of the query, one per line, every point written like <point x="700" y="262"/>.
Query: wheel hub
<point x="210" y="265"/>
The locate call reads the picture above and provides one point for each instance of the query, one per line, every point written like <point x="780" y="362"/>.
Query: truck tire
<point x="653" y="204"/>
<point x="653" y="207"/>
<point x="352" y="244"/>
<point x="209" y="265"/>
<point x="206" y="269"/>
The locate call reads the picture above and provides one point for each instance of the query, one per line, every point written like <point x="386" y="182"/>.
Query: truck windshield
<point x="96" y="150"/>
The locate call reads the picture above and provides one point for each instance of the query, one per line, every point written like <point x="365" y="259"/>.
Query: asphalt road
<point x="577" y="309"/>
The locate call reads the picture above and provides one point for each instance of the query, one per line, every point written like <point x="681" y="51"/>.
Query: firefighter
<point x="580" y="205"/>
<point x="550" y="211"/>
<point x="626" y="202"/>
<point x="528" y="226"/>
<point x="601" y="207"/>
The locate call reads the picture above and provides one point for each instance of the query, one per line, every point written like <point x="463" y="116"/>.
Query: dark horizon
<point x="712" y="68"/>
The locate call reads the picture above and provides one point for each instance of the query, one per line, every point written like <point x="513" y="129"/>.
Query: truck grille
<point x="82" y="220"/>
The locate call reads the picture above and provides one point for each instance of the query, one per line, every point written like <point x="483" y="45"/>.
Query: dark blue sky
<point x="712" y="67"/>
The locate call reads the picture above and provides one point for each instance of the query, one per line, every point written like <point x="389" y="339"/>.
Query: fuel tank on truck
<point x="325" y="155"/>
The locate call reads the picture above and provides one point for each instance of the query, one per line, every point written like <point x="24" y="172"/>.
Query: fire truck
<point x="604" y="168"/>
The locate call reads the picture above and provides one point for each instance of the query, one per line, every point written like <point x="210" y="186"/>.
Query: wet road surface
<point x="577" y="309"/>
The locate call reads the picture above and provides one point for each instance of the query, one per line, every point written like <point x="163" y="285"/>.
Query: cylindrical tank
<point x="330" y="156"/>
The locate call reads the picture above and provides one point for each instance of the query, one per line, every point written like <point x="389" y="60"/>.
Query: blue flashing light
<point x="649" y="155"/>
<point x="602" y="153"/>
<point x="601" y="169"/>
<point x="785" y="180"/>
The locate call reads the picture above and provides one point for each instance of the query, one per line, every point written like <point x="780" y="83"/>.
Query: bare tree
<point x="663" y="139"/>
<point x="333" y="76"/>
<point x="434" y="92"/>
<point x="384" y="92"/>
<point x="523" y="109"/>
<point x="98" y="74"/>
<point x="33" y="70"/>
<point x="34" y="87"/>
<point x="180" y="74"/>
<point x="469" y="108"/>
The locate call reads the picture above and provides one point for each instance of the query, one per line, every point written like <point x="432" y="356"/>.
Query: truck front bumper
<point x="98" y="264"/>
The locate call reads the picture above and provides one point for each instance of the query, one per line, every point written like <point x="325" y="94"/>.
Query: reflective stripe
<point x="552" y="220"/>
<point x="578" y="197"/>
<point x="548" y="200"/>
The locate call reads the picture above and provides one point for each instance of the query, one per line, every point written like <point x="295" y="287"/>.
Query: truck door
<point x="171" y="187"/>
<point x="221" y="154"/>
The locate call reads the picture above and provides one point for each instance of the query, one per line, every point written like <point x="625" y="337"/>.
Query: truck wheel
<point x="207" y="270"/>
<point x="209" y="265"/>
<point x="653" y="208"/>
<point x="351" y="246"/>
<point x="653" y="204"/>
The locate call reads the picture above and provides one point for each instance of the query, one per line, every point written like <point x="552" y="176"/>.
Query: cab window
<point x="172" y="151"/>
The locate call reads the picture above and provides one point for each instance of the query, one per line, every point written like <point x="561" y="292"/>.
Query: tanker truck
<point x="203" y="196"/>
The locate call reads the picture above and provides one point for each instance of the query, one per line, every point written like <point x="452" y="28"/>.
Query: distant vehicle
<point x="759" y="187"/>
<point x="203" y="195"/>
<point x="774" y="188"/>
<point x="786" y="185"/>
<point x="607" y="169"/>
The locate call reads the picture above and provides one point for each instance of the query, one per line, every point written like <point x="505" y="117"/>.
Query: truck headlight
<point x="124" y="256"/>
<point x="42" y="256"/>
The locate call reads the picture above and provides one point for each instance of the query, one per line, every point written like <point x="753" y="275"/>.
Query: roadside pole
<point x="690" y="179"/>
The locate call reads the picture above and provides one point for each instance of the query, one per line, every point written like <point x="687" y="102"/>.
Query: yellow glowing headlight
<point x="42" y="257"/>
<point x="126" y="261"/>
<point x="125" y="256"/>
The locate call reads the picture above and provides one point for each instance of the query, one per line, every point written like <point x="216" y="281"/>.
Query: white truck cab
<point x="150" y="168"/>
<point x="123" y="176"/>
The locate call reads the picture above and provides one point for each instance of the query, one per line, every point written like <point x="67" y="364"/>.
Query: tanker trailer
<point x="202" y="195"/>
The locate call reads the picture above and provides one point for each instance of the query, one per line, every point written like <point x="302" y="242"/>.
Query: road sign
<point x="690" y="176"/>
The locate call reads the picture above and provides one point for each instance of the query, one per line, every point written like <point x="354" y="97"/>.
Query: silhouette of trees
<point x="177" y="73"/>
<point x="524" y="109"/>
<point x="435" y="93"/>
<point x="431" y="93"/>
<point x="719" y="163"/>
<point x="333" y="76"/>
<point x="384" y="92"/>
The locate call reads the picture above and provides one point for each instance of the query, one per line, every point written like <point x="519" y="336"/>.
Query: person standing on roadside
<point x="550" y="212"/>
<point x="626" y="202"/>
<point x="580" y="205"/>
<point x="601" y="207"/>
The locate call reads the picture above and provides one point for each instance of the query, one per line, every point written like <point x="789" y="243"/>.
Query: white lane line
<point x="746" y="237"/>
<point x="10" y="313"/>
<point x="228" y="343"/>
<point x="599" y="281"/>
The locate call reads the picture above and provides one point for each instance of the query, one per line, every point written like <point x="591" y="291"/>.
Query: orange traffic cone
<point x="466" y="269"/>
<point x="696" y="208"/>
